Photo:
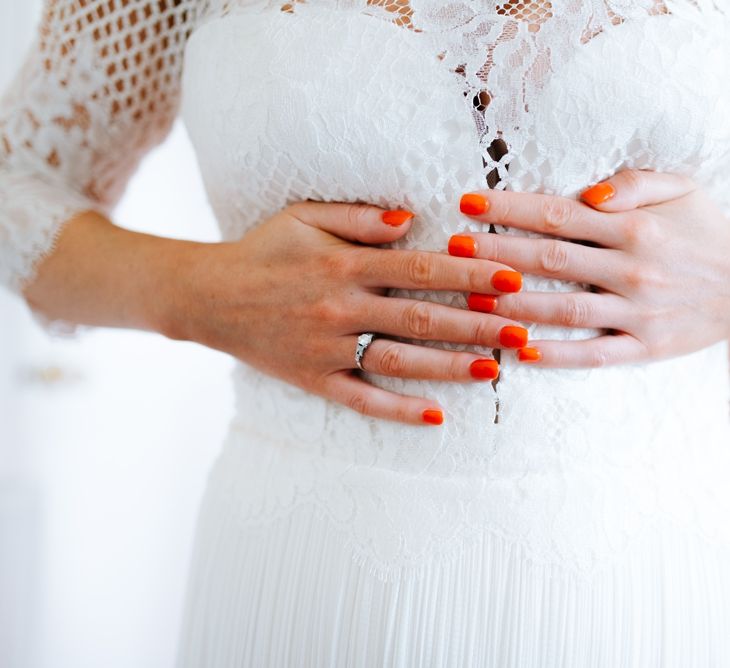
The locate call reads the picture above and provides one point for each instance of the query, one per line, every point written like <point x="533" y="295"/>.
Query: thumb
<point x="356" y="221"/>
<point x="635" y="188"/>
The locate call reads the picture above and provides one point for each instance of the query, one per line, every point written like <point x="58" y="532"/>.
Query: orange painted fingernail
<point x="507" y="281"/>
<point x="598" y="194"/>
<point x="462" y="246"/>
<point x="433" y="416"/>
<point x="482" y="303"/>
<point x="484" y="369"/>
<point x="512" y="336"/>
<point x="396" y="217"/>
<point x="473" y="204"/>
<point x="529" y="355"/>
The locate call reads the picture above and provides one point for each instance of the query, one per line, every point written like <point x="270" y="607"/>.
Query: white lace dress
<point x="559" y="517"/>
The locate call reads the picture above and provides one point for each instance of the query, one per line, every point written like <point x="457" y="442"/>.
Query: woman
<point x="397" y="185"/>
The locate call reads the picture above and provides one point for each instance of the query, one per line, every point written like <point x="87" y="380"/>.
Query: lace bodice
<point x="408" y="104"/>
<point x="101" y="85"/>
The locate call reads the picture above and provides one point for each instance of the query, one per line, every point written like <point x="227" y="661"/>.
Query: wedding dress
<point x="559" y="517"/>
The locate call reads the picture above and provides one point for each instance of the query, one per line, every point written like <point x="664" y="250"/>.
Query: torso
<point x="411" y="105"/>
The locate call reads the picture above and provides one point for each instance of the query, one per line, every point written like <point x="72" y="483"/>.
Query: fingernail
<point x="482" y="303"/>
<point x="396" y="217"/>
<point x="462" y="246"/>
<point x="433" y="416"/>
<point x="529" y="355"/>
<point x="473" y="204"/>
<point x="598" y="194"/>
<point x="484" y="369"/>
<point x="507" y="281"/>
<point x="512" y="336"/>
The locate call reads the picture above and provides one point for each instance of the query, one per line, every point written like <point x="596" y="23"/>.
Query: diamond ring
<point x="363" y="341"/>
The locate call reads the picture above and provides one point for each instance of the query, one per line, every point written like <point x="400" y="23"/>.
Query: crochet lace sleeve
<point x="98" y="88"/>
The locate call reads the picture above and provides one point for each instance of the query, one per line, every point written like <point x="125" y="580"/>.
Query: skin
<point x="661" y="267"/>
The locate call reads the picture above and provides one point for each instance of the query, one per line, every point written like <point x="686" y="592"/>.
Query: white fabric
<point x="578" y="515"/>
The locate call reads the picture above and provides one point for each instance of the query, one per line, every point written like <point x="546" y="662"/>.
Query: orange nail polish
<point x="512" y="336"/>
<point x="396" y="217"/>
<point x="462" y="246"/>
<point x="473" y="204"/>
<point x="433" y="416"/>
<point x="507" y="281"/>
<point x="529" y="355"/>
<point x="598" y="194"/>
<point x="484" y="369"/>
<point x="481" y="303"/>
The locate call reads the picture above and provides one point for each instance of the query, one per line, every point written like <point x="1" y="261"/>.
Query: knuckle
<point x="653" y="278"/>
<point x="511" y="306"/>
<point x="333" y="264"/>
<point x="631" y="229"/>
<point x="642" y="229"/>
<point x="327" y="310"/>
<point x="420" y="269"/>
<point x="483" y="331"/>
<point x="477" y="279"/>
<point x="342" y="264"/>
<point x="576" y="312"/>
<point x="633" y="278"/>
<point x="489" y="247"/>
<point x="504" y="210"/>
<point x="356" y="216"/>
<point x="557" y="213"/>
<point x="401" y="413"/>
<point x="419" y="319"/>
<point x="359" y="403"/>
<point x="634" y="180"/>
<point x="598" y="357"/>
<point x="456" y="366"/>
<point x="553" y="258"/>
<point x="392" y="361"/>
<point x="646" y="277"/>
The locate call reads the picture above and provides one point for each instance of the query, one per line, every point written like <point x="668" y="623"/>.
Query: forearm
<point x="100" y="274"/>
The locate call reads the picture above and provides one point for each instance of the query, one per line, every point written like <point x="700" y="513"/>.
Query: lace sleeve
<point x="98" y="88"/>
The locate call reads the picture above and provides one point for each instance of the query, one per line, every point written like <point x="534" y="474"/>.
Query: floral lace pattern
<point x="557" y="461"/>
<point x="408" y="104"/>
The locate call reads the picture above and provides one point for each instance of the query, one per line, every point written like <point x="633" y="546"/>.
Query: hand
<point x="291" y="297"/>
<point x="660" y="261"/>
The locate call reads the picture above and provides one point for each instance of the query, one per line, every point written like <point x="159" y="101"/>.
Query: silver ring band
<point x="363" y="341"/>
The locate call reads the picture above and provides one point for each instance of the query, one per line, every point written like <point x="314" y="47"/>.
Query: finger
<point x="546" y="214"/>
<point x="634" y="188"/>
<point x="546" y="257"/>
<point x="566" y="309"/>
<point x="403" y="360"/>
<point x="347" y="388"/>
<point x="364" y="223"/>
<point x="424" y="320"/>
<point x="425" y="270"/>
<point x="599" y="351"/>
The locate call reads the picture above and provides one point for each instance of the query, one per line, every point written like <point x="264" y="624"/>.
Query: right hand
<point x="291" y="296"/>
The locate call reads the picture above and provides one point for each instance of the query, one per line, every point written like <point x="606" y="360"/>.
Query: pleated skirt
<point x="291" y="592"/>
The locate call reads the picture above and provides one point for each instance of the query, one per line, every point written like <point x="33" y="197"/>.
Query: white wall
<point x="105" y="443"/>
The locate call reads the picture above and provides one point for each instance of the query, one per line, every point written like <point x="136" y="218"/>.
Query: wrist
<point x="180" y="288"/>
<point x="167" y="289"/>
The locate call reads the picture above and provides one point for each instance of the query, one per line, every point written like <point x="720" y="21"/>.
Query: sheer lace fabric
<point x="100" y="86"/>
<point x="553" y="459"/>
<point x="585" y="474"/>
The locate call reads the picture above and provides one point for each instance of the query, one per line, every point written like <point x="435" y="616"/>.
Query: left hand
<point x="660" y="260"/>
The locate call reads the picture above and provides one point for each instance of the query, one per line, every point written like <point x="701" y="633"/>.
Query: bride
<point x="476" y="279"/>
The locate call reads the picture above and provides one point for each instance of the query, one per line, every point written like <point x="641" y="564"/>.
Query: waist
<point x="539" y="419"/>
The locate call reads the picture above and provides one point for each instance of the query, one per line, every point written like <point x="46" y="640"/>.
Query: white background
<point x="105" y="444"/>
